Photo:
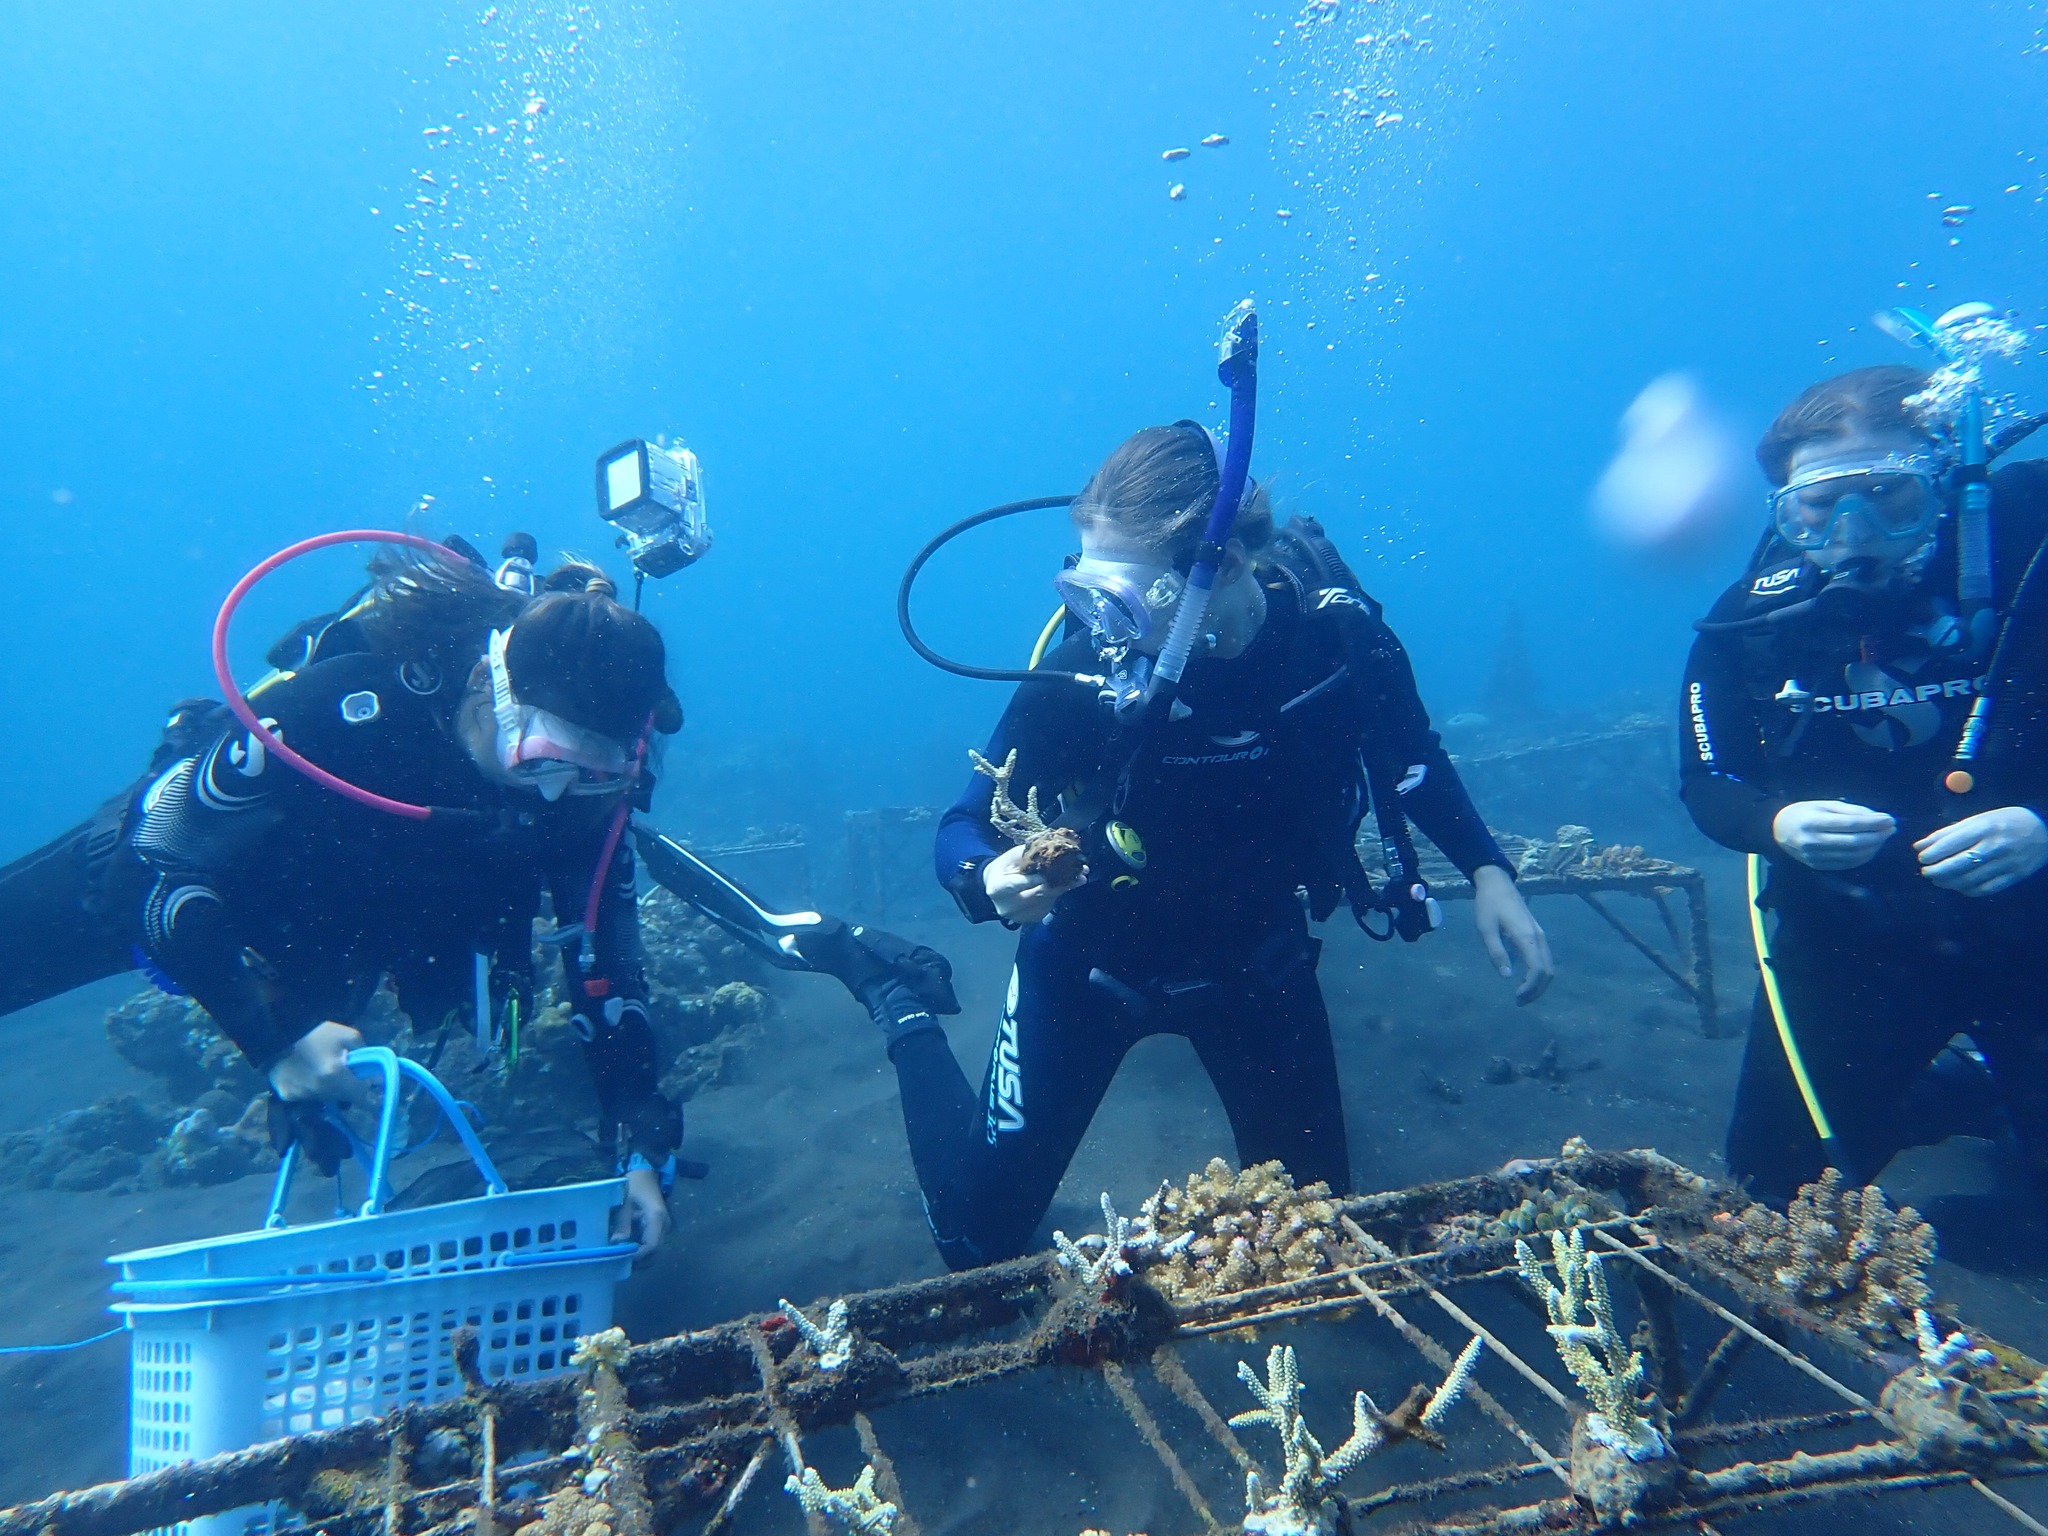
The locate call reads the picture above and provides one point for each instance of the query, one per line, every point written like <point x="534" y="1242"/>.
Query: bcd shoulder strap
<point x="1340" y="616"/>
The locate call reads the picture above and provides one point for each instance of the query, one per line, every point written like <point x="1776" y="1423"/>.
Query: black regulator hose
<point x="961" y="668"/>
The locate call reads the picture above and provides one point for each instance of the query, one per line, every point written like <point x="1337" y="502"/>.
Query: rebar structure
<point x="674" y="1433"/>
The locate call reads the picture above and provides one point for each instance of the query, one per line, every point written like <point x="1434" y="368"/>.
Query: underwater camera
<point x="654" y="495"/>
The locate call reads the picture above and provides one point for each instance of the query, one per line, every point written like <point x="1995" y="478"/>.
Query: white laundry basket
<point x="247" y="1338"/>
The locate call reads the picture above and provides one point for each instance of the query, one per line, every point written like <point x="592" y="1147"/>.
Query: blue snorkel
<point x="1239" y="371"/>
<point x="1973" y="459"/>
<point x="1955" y="338"/>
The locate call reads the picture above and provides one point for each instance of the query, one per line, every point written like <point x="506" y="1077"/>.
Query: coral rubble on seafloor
<point x="858" y="1510"/>
<point x="1839" y="1251"/>
<point x="1301" y="1504"/>
<point x="1228" y="1232"/>
<point x="1053" y="853"/>
<point x="832" y="1343"/>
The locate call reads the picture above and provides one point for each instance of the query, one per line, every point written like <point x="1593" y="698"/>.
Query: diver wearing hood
<point x="1200" y="823"/>
<point x="1833" y="718"/>
<point x="280" y="905"/>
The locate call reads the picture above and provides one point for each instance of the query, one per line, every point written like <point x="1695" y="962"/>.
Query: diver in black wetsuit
<point x="280" y="904"/>
<point x="1199" y="827"/>
<point x="1873" y="736"/>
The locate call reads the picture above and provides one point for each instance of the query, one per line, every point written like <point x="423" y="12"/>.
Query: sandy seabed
<point x="811" y="1194"/>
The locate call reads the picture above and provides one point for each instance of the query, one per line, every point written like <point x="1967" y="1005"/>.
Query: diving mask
<point x="1897" y="497"/>
<point x="1120" y="601"/>
<point x="553" y="756"/>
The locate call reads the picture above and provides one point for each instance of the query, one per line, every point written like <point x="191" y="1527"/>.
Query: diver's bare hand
<point x="317" y="1067"/>
<point x="1831" y="834"/>
<point x="1984" y="854"/>
<point x="645" y="1214"/>
<point x="1505" y="921"/>
<point x="1019" y="897"/>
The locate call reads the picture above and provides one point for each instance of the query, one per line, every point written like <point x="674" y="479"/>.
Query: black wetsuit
<point x="1252" y="796"/>
<point x="277" y="903"/>
<point x="1865" y="702"/>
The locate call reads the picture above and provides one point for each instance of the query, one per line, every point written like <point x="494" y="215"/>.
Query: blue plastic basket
<point x="287" y="1330"/>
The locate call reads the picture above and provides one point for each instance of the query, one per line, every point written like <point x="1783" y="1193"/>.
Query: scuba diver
<point x="1239" y="702"/>
<point x="393" y="802"/>
<point x="1861" y="715"/>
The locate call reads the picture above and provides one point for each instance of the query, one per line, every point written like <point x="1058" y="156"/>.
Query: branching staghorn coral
<point x="1301" y="1505"/>
<point x="1053" y="853"/>
<point x="1560" y="1207"/>
<point x="858" y="1510"/>
<point x="1946" y="1356"/>
<point x="1109" y="1262"/>
<point x="832" y="1345"/>
<point x="1592" y="1348"/>
<point x="1230" y="1231"/>
<point x="1841" y="1252"/>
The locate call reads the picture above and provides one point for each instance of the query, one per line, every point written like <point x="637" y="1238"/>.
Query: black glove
<point x="305" y="1123"/>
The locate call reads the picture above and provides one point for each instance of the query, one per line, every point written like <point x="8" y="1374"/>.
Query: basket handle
<point x="382" y="1061"/>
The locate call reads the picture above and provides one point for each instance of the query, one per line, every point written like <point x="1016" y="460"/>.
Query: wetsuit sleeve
<point x="608" y="990"/>
<point x="208" y="827"/>
<point x="1056" y="731"/>
<point x="1722" y="775"/>
<point x="1397" y="731"/>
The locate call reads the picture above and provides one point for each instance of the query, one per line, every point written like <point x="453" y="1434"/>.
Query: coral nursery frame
<point x="671" y="1435"/>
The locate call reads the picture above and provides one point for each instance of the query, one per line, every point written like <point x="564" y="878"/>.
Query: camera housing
<point x="653" y="493"/>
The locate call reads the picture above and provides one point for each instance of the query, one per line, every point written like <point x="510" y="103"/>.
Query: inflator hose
<point x="238" y="702"/>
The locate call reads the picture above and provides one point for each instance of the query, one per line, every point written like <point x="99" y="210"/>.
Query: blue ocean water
<point x="274" y="271"/>
<point x="884" y="264"/>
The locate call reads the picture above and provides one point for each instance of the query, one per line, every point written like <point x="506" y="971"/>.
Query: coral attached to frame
<point x="1109" y="1261"/>
<point x="1230" y="1232"/>
<point x="1591" y="1346"/>
<point x="1559" y="1206"/>
<point x="858" y="1510"/>
<point x="831" y="1344"/>
<point x="1301" y="1505"/>
<point x="1839" y="1251"/>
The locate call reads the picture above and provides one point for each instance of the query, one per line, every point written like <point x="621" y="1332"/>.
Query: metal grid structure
<point x="1572" y="865"/>
<point x="674" y="1433"/>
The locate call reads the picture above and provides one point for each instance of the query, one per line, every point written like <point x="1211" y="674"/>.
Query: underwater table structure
<point x="1620" y="1342"/>
<point x="1570" y="863"/>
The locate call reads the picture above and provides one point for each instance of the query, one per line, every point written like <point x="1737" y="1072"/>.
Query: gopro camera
<point x="654" y="495"/>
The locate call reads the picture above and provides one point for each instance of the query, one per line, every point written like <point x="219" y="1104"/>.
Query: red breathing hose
<point x="613" y="833"/>
<point x="239" y="702"/>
